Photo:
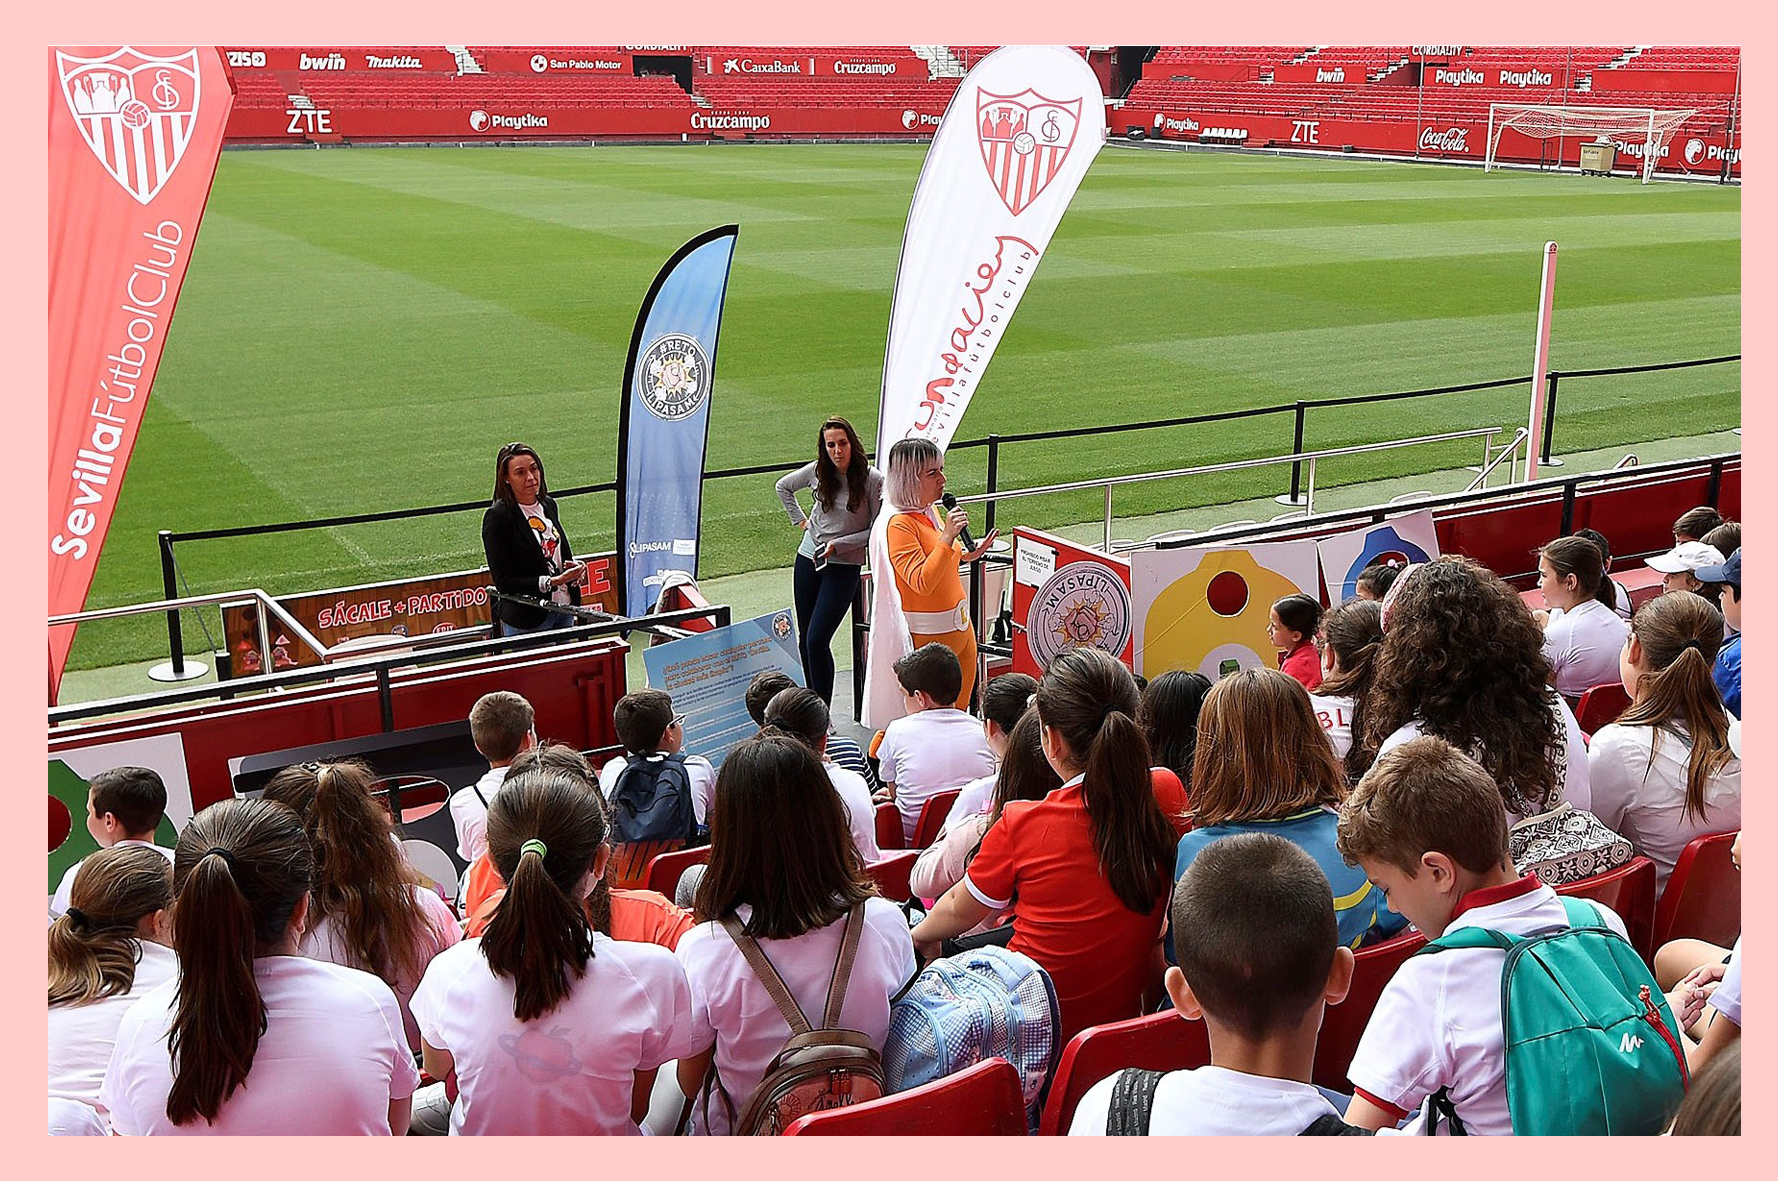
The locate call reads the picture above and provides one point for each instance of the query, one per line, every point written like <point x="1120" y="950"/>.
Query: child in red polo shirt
<point x="1295" y="620"/>
<point x="1090" y="863"/>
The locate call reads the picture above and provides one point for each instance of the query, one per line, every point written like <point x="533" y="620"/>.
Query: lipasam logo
<point x="673" y="377"/>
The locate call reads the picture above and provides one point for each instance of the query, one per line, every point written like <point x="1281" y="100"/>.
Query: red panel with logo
<point x="1520" y="75"/>
<point x="1341" y="75"/>
<point x="341" y="59"/>
<point x="555" y="61"/>
<point x="1065" y="595"/>
<point x="790" y="66"/>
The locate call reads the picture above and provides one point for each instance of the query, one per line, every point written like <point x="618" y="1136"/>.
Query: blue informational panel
<point x="707" y="675"/>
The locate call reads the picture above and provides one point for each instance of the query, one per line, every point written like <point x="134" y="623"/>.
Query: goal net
<point x="1647" y="126"/>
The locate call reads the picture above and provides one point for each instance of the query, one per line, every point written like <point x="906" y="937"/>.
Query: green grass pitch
<point x="361" y="329"/>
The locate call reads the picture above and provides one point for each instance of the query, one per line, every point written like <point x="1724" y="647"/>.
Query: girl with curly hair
<point x="1462" y="658"/>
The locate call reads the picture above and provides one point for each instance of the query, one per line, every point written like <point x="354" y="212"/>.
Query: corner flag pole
<point x="1540" y="364"/>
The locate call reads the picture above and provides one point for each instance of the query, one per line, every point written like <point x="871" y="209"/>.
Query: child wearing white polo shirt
<point x="1429" y="828"/>
<point x="935" y="747"/>
<point x="1261" y="962"/>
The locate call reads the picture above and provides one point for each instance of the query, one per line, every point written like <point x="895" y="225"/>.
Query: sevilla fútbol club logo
<point x="1024" y="137"/>
<point x="135" y="112"/>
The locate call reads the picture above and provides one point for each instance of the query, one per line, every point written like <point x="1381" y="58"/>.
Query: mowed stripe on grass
<point x="361" y="329"/>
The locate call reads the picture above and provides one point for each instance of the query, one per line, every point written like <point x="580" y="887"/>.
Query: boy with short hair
<point x="124" y="806"/>
<point x="652" y="732"/>
<point x="936" y="747"/>
<point x="502" y="726"/>
<point x="1428" y="826"/>
<point x="1259" y="958"/>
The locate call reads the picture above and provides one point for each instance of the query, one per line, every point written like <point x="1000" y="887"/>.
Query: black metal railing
<point x="993" y="443"/>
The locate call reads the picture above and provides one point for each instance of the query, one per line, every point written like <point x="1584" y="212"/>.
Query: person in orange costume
<point x="919" y="595"/>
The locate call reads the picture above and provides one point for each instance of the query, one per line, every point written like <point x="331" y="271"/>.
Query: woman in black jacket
<point x="528" y="551"/>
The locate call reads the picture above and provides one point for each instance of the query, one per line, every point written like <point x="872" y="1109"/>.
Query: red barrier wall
<point x="1449" y="139"/>
<point x="514" y="122"/>
<point x="1665" y="81"/>
<point x="573" y="690"/>
<point x="1202" y="71"/>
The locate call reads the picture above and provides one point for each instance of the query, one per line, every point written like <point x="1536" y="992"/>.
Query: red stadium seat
<point x="932" y="818"/>
<point x="1343" y="1024"/>
<point x="1703" y="895"/>
<point x="983" y="1100"/>
<point x="1630" y="891"/>
<point x="665" y="868"/>
<point x="630" y="862"/>
<point x="1600" y="706"/>
<point x="1159" y="1041"/>
<point x="889" y="831"/>
<point x="891" y="874"/>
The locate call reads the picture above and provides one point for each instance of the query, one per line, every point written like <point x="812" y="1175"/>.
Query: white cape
<point x="890" y="639"/>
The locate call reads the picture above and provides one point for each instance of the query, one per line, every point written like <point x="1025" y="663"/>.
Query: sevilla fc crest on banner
<point x="1025" y="138"/>
<point x="135" y="112"/>
<point x="1028" y="121"/>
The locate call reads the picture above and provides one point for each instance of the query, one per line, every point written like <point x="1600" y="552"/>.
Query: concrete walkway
<point x="761" y="591"/>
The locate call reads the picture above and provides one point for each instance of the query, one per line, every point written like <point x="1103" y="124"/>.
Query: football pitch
<point x="361" y="329"/>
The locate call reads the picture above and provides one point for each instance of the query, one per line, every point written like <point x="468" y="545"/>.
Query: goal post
<point x="1651" y="125"/>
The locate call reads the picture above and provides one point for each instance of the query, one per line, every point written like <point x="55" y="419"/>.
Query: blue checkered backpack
<point x="985" y="1003"/>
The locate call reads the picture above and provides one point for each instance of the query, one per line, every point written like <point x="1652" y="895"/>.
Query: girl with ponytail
<point x="1663" y="773"/>
<point x="1351" y="635"/>
<point x="1090" y="863"/>
<point x="367" y="909"/>
<point x="551" y="1027"/>
<point x="1582" y="631"/>
<point x="320" y="1044"/>
<point x="106" y="952"/>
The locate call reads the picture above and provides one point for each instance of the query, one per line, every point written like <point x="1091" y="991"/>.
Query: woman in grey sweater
<point x="848" y="494"/>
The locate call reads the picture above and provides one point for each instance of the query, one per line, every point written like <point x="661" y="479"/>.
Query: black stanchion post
<point x="170" y="590"/>
<point x="1296" y="448"/>
<point x="1549" y="418"/>
<point x="993" y="482"/>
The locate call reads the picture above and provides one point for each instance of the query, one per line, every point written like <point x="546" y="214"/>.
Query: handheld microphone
<point x="950" y="502"/>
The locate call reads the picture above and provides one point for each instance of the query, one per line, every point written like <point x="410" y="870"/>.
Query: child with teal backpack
<point x="1527" y="1013"/>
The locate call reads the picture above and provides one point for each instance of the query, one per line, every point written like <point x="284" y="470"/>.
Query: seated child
<point x="124" y="806"/>
<point x="1295" y="619"/>
<point x="841" y="751"/>
<point x="652" y="732"/>
<point x="1428" y="826"/>
<point x="502" y="726"/>
<point x="936" y="747"/>
<point x="1261" y="961"/>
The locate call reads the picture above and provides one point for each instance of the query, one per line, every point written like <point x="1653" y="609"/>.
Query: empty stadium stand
<point x="1422" y="101"/>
